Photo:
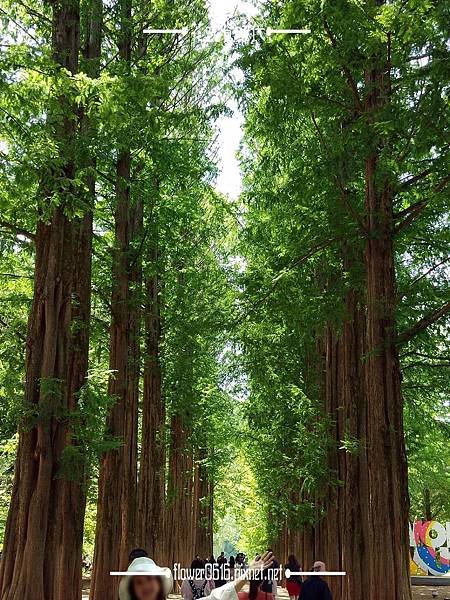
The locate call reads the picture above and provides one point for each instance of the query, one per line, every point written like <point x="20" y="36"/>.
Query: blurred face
<point x="146" y="587"/>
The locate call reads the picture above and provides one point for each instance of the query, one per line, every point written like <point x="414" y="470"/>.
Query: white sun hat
<point x="145" y="567"/>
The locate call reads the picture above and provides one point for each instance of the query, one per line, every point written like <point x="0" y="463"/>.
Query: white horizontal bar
<point x="319" y="573"/>
<point x="270" y="31"/>
<point x="135" y="573"/>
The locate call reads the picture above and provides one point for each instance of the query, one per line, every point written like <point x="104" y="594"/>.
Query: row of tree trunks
<point x="183" y="516"/>
<point x="44" y="533"/>
<point x="362" y="396"/>
<point x="367" y="517"/>
<point x="342" y="537"/>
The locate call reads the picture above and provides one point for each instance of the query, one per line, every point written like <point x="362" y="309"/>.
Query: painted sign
<point x="430" y="544"/>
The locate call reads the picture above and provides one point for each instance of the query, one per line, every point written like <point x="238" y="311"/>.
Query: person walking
<point x="221" y="563"/>
<point x="145" y="580"/>
<point x="315" y="588"/>
<point x="197" y="587"/>
<point x="293" y="582"/>
<point x="270" y="586"/>
<point x="232" y="564"/>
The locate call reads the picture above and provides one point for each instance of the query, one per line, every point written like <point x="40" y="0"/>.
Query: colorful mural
<point x="430" y="544"/>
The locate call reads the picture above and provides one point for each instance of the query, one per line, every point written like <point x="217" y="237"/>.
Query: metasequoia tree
<point x="116" y="516"/>
<point x="43" y="541"/>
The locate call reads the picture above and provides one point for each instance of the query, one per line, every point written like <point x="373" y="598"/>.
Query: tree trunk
<point x="44" y="533"/>
<point x="117" y="503"/>
<point x="386" y="455"/>
<point x="116" y="526"/>
<point x="152" y="460"/>
<point x="179" y="495"/>
<point x="203" y="507"/>
<point x="388" y="479"/>
<point x="330" y="527"/>
<point x="354" y="518"/>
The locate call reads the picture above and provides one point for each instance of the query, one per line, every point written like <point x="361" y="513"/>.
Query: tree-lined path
<point x="176" y="364"/>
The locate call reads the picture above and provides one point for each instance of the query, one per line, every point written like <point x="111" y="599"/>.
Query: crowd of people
<point x="224" y="579"/>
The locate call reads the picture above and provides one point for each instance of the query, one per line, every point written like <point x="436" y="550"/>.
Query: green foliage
<point x="7" y="457"/>
<point x="240" y="509"/>
<point x="307" y="135"/>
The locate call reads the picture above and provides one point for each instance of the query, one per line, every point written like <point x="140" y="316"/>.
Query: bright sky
<point x="230" y="129"/>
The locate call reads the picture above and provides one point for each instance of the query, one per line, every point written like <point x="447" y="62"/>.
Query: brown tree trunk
<point x="354" y="519"/>
<point x="117" y="502"/>
<point x="203" y="509"/>
<point x="116" y="526"/>
<point x="388" y="488"/>
<point x="44" y="533"/>
<point x="152" y="460"/>
<point x="330" y="543"/>
<point x="307" y="555"/>
<point x="179" y="495"/>
<point x="386" y="456"/>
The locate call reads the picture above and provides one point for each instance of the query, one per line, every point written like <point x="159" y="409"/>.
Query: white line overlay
<point x="132" y="573"/>
<point x="288" y="573"/>
<point x="270" y="31"/>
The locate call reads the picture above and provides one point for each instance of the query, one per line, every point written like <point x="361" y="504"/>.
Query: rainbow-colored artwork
<point x="430" y="541"/>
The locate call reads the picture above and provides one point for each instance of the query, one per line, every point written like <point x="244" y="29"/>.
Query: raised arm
<point x="230" y="590"/>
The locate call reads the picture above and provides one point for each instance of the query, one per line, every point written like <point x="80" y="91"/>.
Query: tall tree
<point x="116" y="517"/>
<point x="43" y="542"/>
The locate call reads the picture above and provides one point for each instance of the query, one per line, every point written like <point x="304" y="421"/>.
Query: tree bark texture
<point x="44" y="532"/>
<point x="151" y="489"/>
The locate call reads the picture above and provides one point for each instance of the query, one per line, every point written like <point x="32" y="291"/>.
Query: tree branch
<point x="344" y="192"/>
<point x="17" y="229"/>
<point x="292" y="265"/>
<point x="412" y="180"/>
<point x="412" y="212"/>
<point x="424" y="323"/>
<point x="348" y="75"/>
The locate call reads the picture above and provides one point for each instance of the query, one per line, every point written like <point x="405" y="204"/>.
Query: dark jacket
<point x="315" y="588"/>
<point x="267" y="584"/>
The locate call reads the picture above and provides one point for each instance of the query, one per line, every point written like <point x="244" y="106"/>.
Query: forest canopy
<point x="178" y="365"/>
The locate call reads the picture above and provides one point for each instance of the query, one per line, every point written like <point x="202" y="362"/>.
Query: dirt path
<point x="419" y="593"/>
<point x="425" y="592"/>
